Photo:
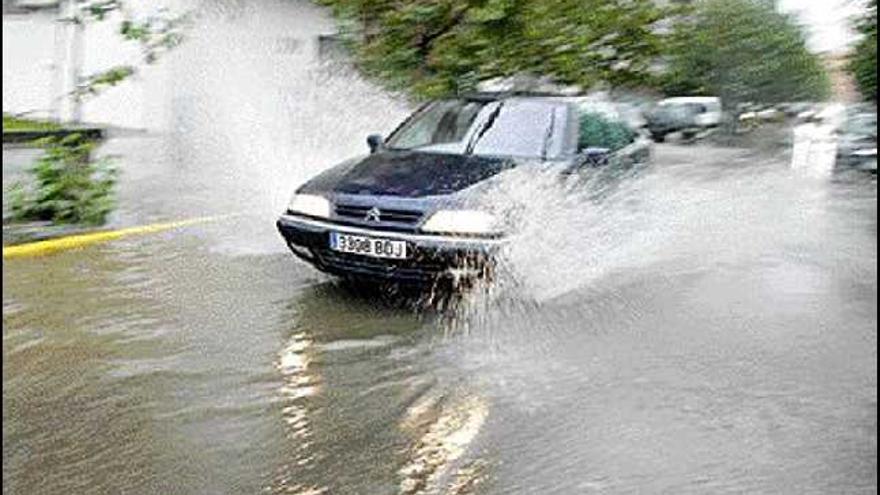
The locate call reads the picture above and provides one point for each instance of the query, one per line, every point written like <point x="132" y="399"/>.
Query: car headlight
<point x="309" y="204"/>
<point x="462" y="222"/>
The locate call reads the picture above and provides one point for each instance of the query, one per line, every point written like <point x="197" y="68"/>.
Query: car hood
<point x="406" y="174"/>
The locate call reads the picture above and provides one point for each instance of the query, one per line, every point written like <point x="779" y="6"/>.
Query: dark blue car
<point x="411" y="210"/>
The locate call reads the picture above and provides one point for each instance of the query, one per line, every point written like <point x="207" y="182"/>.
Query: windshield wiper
<point x="490" y="121"/>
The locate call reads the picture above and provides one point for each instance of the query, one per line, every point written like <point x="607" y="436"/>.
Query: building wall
<point x="37" y="67"/>
<point x="28" y="62"/>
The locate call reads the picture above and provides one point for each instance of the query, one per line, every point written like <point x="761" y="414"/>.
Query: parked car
<point x="794" y="109"/>
<point x="412" y="209"/>
<point x="857" y="141"/>
<point x="686" y="114"/>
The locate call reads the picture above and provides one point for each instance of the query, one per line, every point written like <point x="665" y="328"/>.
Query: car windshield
<point x="512" y="128"/>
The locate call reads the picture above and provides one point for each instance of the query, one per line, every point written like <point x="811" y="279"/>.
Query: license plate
<point x="367" y="246"/>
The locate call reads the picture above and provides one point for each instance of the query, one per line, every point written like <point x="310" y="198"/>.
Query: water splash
<point x="258" y="115"/>
<point x="578" y="235"/>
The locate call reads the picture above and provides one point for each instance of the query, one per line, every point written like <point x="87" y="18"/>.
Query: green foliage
<point x="863" y="64"/>
<point x="98" y="9"/>
<point x="596" y="131"/>
<point x="70" y="187"/>
<point x="110" y="77"/>
<point x="155" y="34"/>
<point x="743" y="51"/>
<point x="439" y="47"/>
<point x="12" y="123"/>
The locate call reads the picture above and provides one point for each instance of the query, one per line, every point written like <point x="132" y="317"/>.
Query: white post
<point x="68" y="105"/>
<point x="58" y="59"/>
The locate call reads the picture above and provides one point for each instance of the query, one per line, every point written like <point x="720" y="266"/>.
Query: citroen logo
<point x="374" y="215"/>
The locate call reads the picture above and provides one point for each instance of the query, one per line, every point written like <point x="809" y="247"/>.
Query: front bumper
<point x="432" y="256"/>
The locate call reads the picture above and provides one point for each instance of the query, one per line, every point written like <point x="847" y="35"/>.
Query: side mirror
<point x="594" y="157"/>
<point x="375" y="142"/>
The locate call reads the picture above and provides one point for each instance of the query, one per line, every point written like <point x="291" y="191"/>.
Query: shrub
<point x="69" y="186"/>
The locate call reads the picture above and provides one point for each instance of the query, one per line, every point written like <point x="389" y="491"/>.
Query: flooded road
<point x="709" y="327"/>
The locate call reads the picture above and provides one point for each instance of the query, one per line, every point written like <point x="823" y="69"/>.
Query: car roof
<point x="691" y="99"/>
<point x="607" y="108"/>
<point x="507" y="95"/>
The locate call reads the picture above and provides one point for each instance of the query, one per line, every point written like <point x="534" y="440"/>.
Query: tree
<point x="438" y="47"/>
<point x="863" y="64"/>
<point x="743" y="51"/>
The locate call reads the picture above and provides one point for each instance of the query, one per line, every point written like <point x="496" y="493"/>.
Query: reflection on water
<point x="298" y="385"/>
<point x="363" y="398"/>
<point x="436" y="462"/>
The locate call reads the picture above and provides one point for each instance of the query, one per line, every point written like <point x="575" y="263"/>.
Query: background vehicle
<point x="420" y="206"/>
<point x="686" y="114"/>
<point x="857" y="141"/>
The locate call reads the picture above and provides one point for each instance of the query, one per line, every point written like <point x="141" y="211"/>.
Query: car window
<point x="515" y="128"/>
<point x="443" y="122"/>
<point x="598" y="131"/>
<point x="528" y="129"/>
<point x="673" y="111"/>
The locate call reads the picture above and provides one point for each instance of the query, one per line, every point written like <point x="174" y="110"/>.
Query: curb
<point x="19" y="137"/>
<point x="75" y="241"/>
<point x="15" y="233"/>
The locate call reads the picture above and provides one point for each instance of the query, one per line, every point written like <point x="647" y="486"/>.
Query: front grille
<point x="415" y="269"/>
<point x="392" y="215"/>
